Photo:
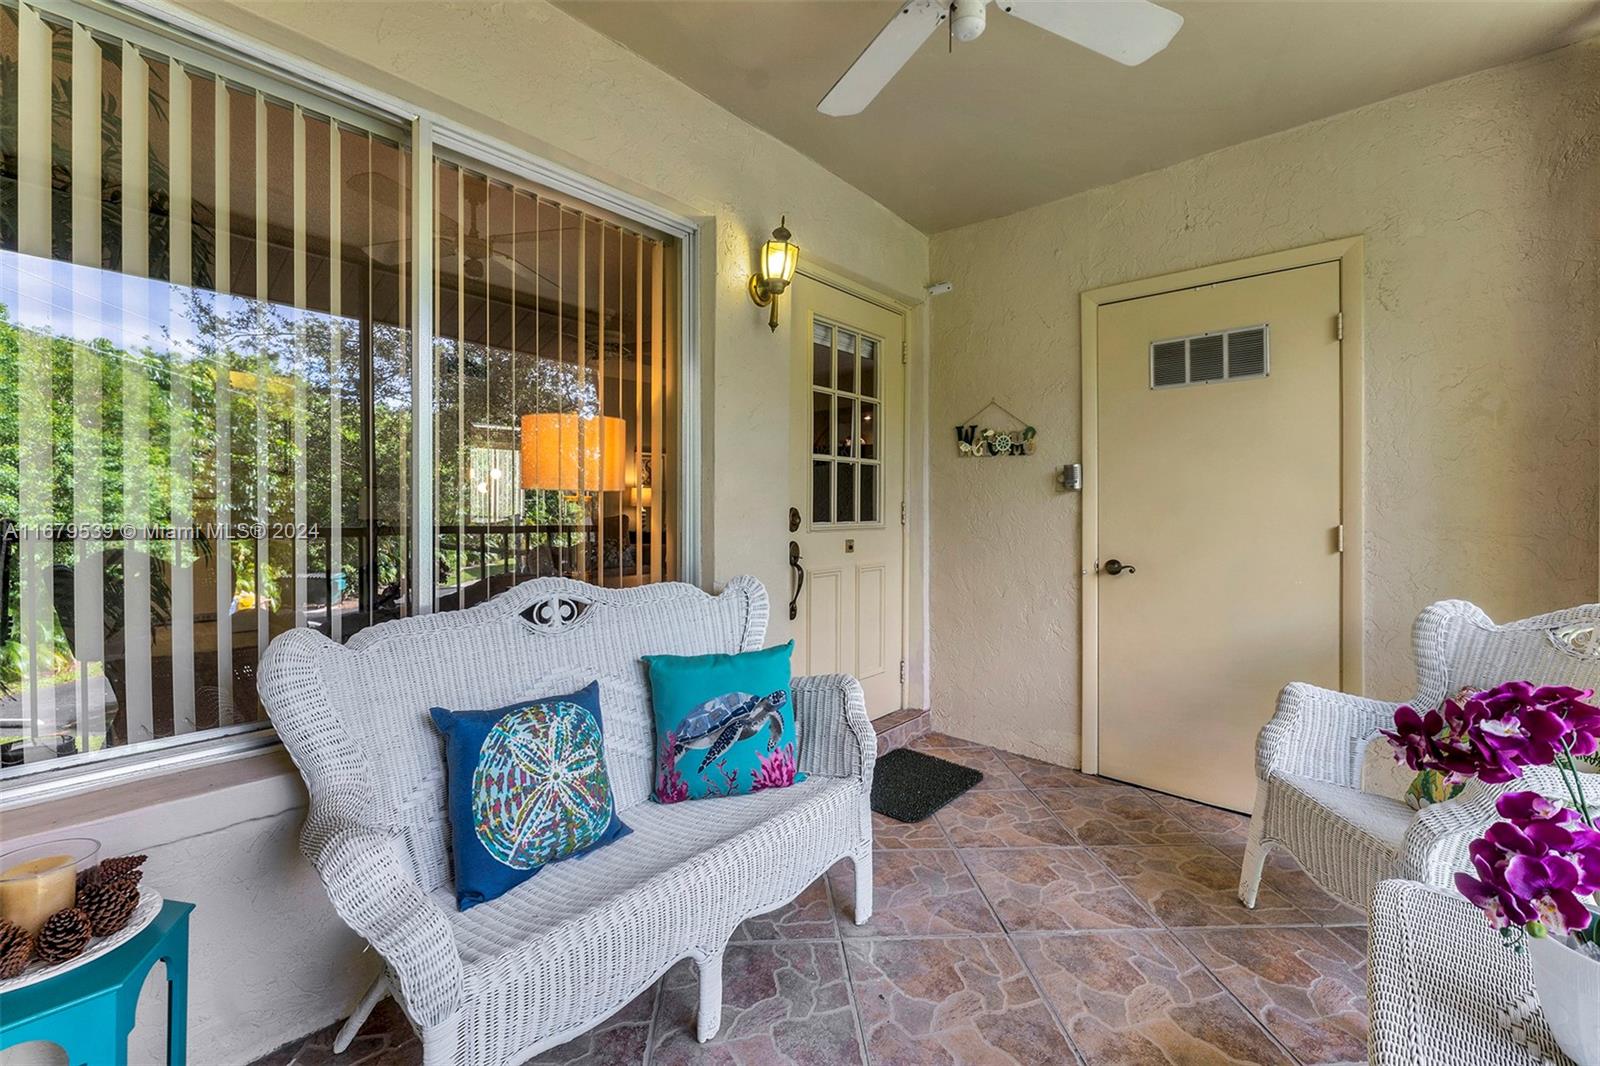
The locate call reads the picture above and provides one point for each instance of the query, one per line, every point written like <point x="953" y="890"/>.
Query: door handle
<point x="1117" y="566"/>
<point x="800" y="579"/>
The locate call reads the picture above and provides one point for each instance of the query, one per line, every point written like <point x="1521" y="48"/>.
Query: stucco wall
<point x="1479" y="200"/>
<point x="271" y="959"/>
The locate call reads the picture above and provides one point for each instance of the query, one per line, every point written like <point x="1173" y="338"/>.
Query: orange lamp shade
<point x="570" y="453"/>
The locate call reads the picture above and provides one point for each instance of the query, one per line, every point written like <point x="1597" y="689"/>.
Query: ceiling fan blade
<point x="1129" y="31"/>
<point x="894" y="45"/>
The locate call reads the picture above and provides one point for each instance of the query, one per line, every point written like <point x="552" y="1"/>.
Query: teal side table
<point x="88" y="1011"/>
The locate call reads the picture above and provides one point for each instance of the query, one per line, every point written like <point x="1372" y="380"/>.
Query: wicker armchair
<point x="1444" y="990"/>
<point x="1308" y="757"/>
<point x="559" y="953"/>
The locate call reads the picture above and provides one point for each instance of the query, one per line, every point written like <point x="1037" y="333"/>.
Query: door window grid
<point x="846" y="410"/>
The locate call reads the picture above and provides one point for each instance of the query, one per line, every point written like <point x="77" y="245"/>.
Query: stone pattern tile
<point x="1045" y="917"/>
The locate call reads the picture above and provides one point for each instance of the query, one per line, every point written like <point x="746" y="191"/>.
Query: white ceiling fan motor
<point x="968" y="19"/>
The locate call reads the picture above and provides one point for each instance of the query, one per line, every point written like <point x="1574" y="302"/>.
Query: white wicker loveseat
<point x="1308" y="758"/>
<point x="508" y="978"/>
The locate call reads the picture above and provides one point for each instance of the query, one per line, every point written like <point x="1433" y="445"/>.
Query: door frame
<point x="1350" y="254"/>
<point x="834" y="278"/>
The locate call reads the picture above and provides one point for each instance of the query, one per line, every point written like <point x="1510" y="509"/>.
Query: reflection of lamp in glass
<point x="570" y="453"/>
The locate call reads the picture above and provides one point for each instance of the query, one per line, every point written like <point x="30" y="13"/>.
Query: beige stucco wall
<point x="1479" y="200"/>
<point x="271" y="960"/>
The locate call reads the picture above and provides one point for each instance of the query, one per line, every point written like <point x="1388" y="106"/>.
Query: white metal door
<point x="847" y="486"/>
<point x="1219" y="490"/>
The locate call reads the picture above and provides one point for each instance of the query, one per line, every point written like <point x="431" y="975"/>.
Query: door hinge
<point x="1338" y="534"/>
<point x="1338" y="325"/>
<point x="902" y="671"/>
<point x="902" y="512"/>
<point x="903" y="349"/>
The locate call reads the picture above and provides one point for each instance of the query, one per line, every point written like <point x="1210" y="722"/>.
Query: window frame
<point x="226" y="52"/>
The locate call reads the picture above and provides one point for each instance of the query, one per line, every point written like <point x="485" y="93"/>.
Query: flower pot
<point x="1568" y="981"/>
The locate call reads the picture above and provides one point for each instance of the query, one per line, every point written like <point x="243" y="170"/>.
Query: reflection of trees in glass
<point x="111" y="162"/>
<point x="276" y="369"/>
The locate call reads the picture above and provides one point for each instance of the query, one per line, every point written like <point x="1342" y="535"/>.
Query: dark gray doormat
<point x="908" y="786"/>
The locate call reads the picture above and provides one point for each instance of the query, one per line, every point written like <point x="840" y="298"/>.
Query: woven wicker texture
<point x="1442" y="990"/>
<point x="577" y="942"/>
<point x="1308" y="757"/>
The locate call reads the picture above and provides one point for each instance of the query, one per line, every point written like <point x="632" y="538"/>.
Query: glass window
<point x="204" y="387"/>
<point x="552" y="381"/>
<point x="206" y="379"/>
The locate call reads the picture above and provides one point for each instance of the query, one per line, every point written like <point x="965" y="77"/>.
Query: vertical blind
<point x="553" y="368"/>
<point x="205" y="403"/>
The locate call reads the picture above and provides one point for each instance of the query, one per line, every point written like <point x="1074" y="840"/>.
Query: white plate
<point x="149" y="906"/>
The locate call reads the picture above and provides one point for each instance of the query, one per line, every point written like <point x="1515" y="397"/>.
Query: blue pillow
<point x="724" y="724"/>
<point x="526" y="786"/>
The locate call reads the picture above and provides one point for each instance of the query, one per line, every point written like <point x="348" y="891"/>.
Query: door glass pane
<point x="821" y="492"/>
<point x="844" y="436"/>
<point x="847" y="361"/>
<point x="205" y="352"/>
<point x="869" y="492"/>
<point x="869" y="367"/>
<point x="869" y="430"/>
<point x="821" y="419"/>
<point x="845" y="492"/>
<point x="822" y="355"/>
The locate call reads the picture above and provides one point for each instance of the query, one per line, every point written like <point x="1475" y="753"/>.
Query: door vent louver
<point x="1204" y="358"/>
<point x="1169" y="364"/>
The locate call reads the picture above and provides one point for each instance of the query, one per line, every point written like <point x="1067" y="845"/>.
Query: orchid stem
<point x="1577" y="783"/>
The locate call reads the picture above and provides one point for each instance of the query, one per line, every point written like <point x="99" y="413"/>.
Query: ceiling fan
<point x="1129" y="31"/>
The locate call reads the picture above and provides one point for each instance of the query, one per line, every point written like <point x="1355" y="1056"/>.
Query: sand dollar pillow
<point x="526" y="785"/>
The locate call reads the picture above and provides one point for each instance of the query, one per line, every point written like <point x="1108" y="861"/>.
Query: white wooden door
<point x="1219" y="490"/>
<point x="847" y="484"/>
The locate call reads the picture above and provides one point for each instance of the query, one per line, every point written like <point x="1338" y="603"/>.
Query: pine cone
<point x="64" y="936"/>
<point x="121" y="864"/>
<point x="130" y="877"/>
<point x="16" y="945"/>
<point x="109" y="904"/>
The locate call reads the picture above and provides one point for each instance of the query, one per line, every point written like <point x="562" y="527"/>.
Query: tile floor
<point x="1044" y="917"/>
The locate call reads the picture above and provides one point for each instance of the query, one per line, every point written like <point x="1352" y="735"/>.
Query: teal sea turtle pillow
<point x="526" y="785"/>
<point x="724" y="724"/>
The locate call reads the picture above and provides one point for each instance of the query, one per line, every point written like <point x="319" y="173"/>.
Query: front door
<point x="847" y="479"/>
<point x="1218" y="539"/>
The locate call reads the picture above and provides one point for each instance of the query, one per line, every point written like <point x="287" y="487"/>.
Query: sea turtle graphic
<point x="718" y="724"/>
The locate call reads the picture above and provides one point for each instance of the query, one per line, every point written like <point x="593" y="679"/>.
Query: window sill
<point x="153" y="806"/>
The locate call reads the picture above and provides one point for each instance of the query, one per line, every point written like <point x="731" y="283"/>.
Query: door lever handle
<point x="800" y="579"/>
<point x="1117" y="566"/>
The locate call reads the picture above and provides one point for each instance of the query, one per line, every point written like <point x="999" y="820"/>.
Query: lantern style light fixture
<point x="775" y="270"/>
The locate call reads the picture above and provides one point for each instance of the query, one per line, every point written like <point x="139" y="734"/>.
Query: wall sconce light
<point x="775" y="271"/>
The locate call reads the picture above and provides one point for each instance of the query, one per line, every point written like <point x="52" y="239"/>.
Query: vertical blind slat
<point x="335" y="386"/>
<point x="88" y="576"/>
<point x="180" y="219"/>
<point x="301" y="364"/>
<point x="222" y="511"/>
<point x="34" y="122"/>
<point x="263" y="369"/>
<point x="137" y="713"/>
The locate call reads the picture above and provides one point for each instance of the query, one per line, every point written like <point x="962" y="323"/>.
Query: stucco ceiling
<point x="1020" y="117"/>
